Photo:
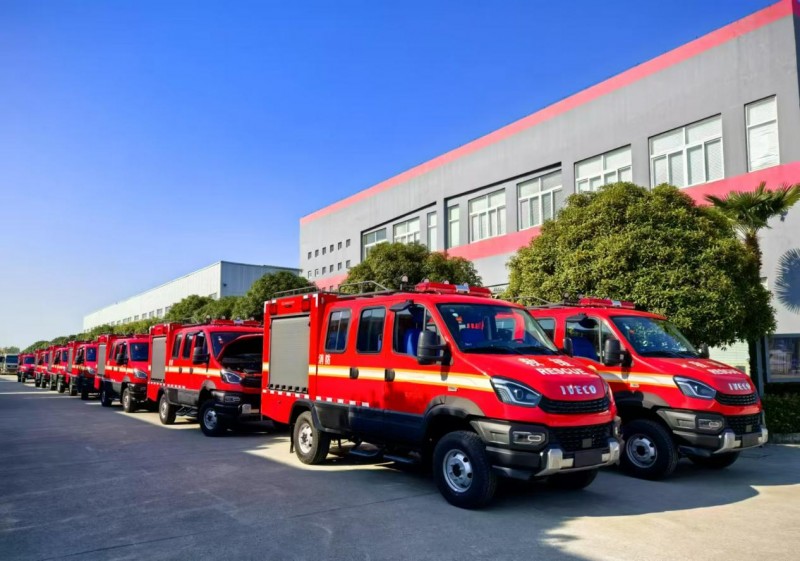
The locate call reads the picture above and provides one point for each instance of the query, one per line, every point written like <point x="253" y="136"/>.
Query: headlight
<point x="693" y="388"/>
<point x="140" y="374"/>
<point x="91" y="370"/>
<point x="230" y="377"/>
<point x="515" y="393"/>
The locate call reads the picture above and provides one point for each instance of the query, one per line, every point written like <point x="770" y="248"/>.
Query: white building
<point x="223" y="278"/>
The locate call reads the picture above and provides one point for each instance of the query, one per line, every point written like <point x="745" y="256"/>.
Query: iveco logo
<point x="578" y="390"/>
<point x="743" y="386"/>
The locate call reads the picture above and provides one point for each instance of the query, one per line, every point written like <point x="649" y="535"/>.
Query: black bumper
<point x="693" y="440"/>
<point x="236" y="405"/>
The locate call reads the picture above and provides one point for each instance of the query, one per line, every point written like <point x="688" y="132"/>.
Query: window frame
<point x="382" y="331"/>
<point x="683" y="150"/>
<point x="349" y="313"/>
<point x="527" y="200"/>
<point x="410" y="236"/>
<point x="604" y="171"/>
<point x="498" y="211"/>
<point x="367" y="247"/>
<point x="748" y="126"/>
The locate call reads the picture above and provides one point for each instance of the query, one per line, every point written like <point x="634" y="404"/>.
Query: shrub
<point x="782" y="413"/>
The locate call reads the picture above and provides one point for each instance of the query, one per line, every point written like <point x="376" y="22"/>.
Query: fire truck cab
<point x="83" y="367"/>
<point x="27" y="366"/>
<point x="674" y="401"/>
<point x="211" y="371"/>
<point x="440" y="374"/>
<point x="40" y="371"/>
<point x="58" y="365"/>
<point x="125" y="375"/>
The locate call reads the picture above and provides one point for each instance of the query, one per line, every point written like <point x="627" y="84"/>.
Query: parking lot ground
<point x="80" y="481"/>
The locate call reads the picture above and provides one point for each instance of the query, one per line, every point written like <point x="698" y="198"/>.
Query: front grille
<point x="743" y="424"/>
<point x="731" y="399"/>
<point x="573" y="407"/>
<point x="573" y="439"/>
<point x="251" y="381"/>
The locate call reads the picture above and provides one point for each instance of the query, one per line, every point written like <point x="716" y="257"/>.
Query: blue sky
<point x="143" y="140"/>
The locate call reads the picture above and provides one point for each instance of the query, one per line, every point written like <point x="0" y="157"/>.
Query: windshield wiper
<point x="492" y="348"/>
<point x="671" y="354"/>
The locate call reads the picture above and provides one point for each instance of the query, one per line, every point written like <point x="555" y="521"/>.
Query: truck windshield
<point x="12" y="360"/>
<point x="654" y="337"/>
<point x="495" y="329"/>
<point x="221" y="338"/>
<point x="29" y="360"/>
<point x="91" y="354"/>
<point x="139" y="351"/>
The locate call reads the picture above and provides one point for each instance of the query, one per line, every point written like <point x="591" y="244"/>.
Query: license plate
<point x="588" y="458"/>
<point x="249" y="409"/>
<point x="750" y="440"/>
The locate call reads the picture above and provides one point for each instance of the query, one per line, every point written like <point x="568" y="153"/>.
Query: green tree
<point x="388" y="263"/>
<point x="749" y="212"/>
<point x="655" y="247"/>
<point x="222" y="308"/>
<point x="189" y="309"/>
<point x="36" y="346"/>
<point x="9" y="350"/>
<point x="251" y="305"/>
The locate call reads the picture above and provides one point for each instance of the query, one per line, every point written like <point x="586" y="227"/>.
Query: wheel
<point x="166" y="411"/>
<point x="53" y="384"/>
<point x="717" y="461"/>
<point x="128" y="403"/>
<point x="105" y="396"/>
<point x="210" y="422"/>
<point x="36" y="382"/>
<point x="73" y="387"/>
<point x="310" y="444"/>
<point x="462" y="470"/>
<point x="84" y="392"/>
<point x="574" y="480"/>
<point x="649" y="451"/>
<point x="60" y="386"/>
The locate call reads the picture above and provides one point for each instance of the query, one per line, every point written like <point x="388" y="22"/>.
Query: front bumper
<point x="236" y="405"/>
<point x="548" y="457"/>
<point x="138" y="391"/>
<point x="695" y="442"/>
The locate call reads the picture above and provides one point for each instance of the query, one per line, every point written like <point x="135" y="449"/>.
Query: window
<point x="432" y="231"/>
<point x="689" y="155"/>
<point x="339" y="266"/>
<point x="339" y="246"/>
<point x="336" y="339"/>
<point x="347" y="264"/>
<point x="538" y="199"/>
<point x="309" y="274"/>
<point x="150" y="314"/>
<point x="487" y="216"/>
<point x="370" y="330"/>
<point x="347" y="242"/>
<point x="309" y="255"/>
<point x="323" y="251"/>
<point x="784" y="358"/>
<point x="453" y="226"/>
<point x="604" y="169"/>
<point x="588" y="337"/>
<point x="136" y="318"/>
<point x="187" y="345"/>
<point x="407" y="232"/>
<point x="316" y="272"/>
<point x="368" y="241"/>
<point x="331" y="248"/>
<point x="159" y="312"/>
<point x="324" y="270"/>
<point x="762" y="134"/>
<point x="408" y="324"/>
<point x="316" y="253"/>
<point x="167" y="309"/>
<point x="548" y="325"/>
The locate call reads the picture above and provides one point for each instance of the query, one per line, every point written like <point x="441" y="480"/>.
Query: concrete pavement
<point x="80" y="481"/>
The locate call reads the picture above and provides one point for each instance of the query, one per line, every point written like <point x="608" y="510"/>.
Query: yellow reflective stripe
<point x="457" y="380"/>
<point x="663" y="380"/>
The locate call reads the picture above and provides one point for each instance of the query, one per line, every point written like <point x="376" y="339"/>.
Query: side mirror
<point x="430" y="349"/>
<point x="704" y="353"/>
<point x="612" y="353"/>
<point x="567" y="346"/>
<point x="198" y="356"/>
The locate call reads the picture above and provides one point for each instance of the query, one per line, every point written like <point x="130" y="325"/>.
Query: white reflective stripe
<point x="635" y="378"/>
<point x="482" y="383"/>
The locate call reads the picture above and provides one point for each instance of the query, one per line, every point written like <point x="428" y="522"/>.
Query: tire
<point x="36" y="382"/>
<point x="128" y="403"/>
<point x="648" y="451"/>
<point x="105" y="396"/>
<point x="462" y="470"/>
<point x="572" y="481"/>
<point x="53" y="384"/>
<point x="717" y="461"/>
<point x="60" y="386"/>
<point x="310" y="444"/>
<point x="73" y="388"/>
<point x="166" y="411"/>
<point x="210" y="422"/>
<point x="84" y="392"/>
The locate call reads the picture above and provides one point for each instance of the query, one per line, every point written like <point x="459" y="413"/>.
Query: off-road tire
<point x="60" y="386"/>
<point x="310" y="444"/>
<point x="73" y="388"/>
<point x="666" y="453"/>
<point x="105" y="396"/>
<point x="461" y="456"/>
<point x="211" y="423"/>
<point x="166" y="411"/>
<point x="128" y="403"/>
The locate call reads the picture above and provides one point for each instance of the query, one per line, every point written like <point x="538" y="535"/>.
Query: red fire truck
<point x="44" y="367"/>
<point x="674" y="401"/>
<point x="84" y="369"/>
<point x="27" y="367"/>
<point x="104" y="343"/>
<point x="40" y="371"/>
<point x="125" y="375"/>
<point x="211" y="371"/>
<point x="58" y="368"/>
<point x="441" y="373"/>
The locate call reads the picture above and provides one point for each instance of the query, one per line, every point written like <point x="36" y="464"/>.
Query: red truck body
<point x="125" y="372"/>
<point x="58" y="370"/>
<point x="82" y="368"/>
<point x="188" y="375"/>
<point x="43" y="365"/>
<point x="673" y="400"/>
<point x="441" y="372"/>
<point x="27" y="367"/>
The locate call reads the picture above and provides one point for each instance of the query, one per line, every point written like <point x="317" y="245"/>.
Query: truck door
<point x="188" y="390"/>
<point x="171" y="375"/>
<point x="157" y="373"/>
<point x="589" y="335"/>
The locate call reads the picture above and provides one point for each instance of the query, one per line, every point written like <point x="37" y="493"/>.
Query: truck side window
<point x="408" y="324"/>
<point x="122" y="352"/>
<point x="200" y="342"/>
<point x="79" y="356"/>
<point x="187" y="345"/>
<point x="176" y="346"/>
<point x="370" y="330"/>
<point x="588" y="337"/>
<point x="336" y="338"/>
<point x="548" y="325"/>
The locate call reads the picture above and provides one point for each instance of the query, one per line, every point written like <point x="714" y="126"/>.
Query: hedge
<point x="782" y="413"/>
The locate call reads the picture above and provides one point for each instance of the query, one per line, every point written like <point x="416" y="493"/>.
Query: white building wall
<point x="220" y="279"/>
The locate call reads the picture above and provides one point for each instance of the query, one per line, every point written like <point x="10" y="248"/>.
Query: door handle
<point x="353" y="373"/>
<point x="388" y="374"/>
